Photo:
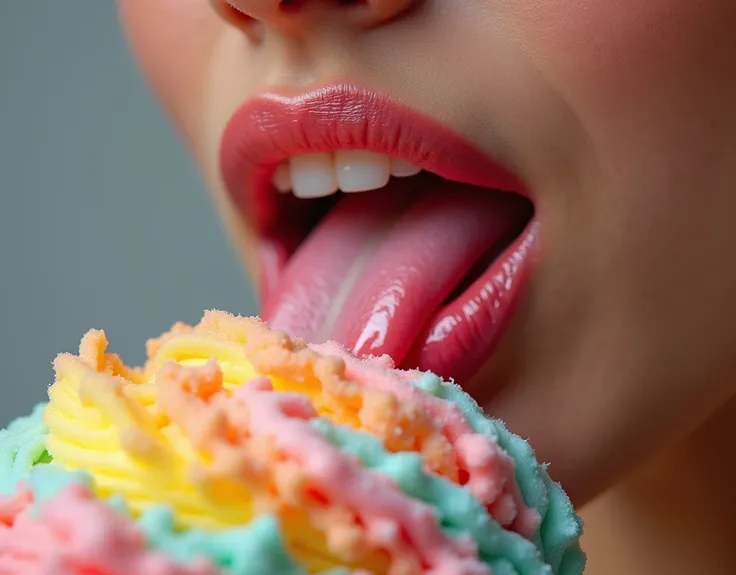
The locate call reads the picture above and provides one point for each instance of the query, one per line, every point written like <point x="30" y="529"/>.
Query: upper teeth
<point x="322" y="174"/>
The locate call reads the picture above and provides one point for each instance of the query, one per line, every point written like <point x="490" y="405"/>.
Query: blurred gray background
<point x="89" y="172"/>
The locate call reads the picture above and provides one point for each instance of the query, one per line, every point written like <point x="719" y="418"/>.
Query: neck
<point x="676" y="514"/>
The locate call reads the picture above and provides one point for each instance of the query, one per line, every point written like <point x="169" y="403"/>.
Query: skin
<point x="619" y="114"/>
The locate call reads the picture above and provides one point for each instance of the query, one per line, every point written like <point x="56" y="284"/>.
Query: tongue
<point x="374" y="272"/>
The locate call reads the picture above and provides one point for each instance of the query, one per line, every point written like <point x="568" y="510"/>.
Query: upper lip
<point x="272" y="127"/>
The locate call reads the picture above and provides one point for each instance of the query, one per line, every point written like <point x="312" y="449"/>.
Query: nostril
<point x="291" y="5"/>
<point x="230" y="13"/>
<point x="254" y="16"/>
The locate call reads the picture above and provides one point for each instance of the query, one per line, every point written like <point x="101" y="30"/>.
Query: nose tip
<point x="290" y="15"/>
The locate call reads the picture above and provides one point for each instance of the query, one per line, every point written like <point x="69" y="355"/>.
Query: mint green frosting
<point x="22" y="445"/>
<point x="458" y="510"/>
<point x="253" y="549"/>
<point x="561" y="528"/>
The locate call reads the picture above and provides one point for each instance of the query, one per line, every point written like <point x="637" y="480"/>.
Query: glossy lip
<point x="274" y="126"/>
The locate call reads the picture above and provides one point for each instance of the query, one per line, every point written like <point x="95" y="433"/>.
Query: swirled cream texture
<point x="238" y="450"/>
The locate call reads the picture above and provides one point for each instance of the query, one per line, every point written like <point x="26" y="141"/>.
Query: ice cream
<point x="237" y="450"/>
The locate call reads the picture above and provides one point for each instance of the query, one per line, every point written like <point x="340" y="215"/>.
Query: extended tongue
<point x="378" y="267"/>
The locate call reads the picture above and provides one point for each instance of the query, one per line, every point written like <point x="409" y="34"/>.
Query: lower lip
<point x="395" y="282"/>
<point x="463" y="335"/>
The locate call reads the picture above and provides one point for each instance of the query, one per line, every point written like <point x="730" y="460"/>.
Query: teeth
<point x="282" y="178"/>
<point x="313" y="175"/>
<point x="319" y="175"/>
<point x="360" y="171"/>
<point x="402" y="168"/>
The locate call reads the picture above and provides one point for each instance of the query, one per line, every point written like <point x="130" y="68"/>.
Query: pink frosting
<point x="386" y="512"/>
<point x="489" y="469"/>
<point x="76" y="534"/>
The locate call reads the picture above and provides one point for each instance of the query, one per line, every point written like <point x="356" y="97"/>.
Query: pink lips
<point x="385" y="271"/>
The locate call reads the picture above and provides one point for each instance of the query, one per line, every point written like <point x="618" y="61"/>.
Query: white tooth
<point x="360" y="171"/>
<point x="313" y="175"/>
<point x="282" y="178"/>
<point x="402" y="168"/>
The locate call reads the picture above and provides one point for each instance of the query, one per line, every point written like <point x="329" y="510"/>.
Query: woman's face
<point x="619" y="117"/>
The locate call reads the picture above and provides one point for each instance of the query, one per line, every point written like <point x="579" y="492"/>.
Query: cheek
<point x="646" y="80"/>
<point x="603" y="39"/>
<point x="173" y="40"/>
<point x="628" y="59"/>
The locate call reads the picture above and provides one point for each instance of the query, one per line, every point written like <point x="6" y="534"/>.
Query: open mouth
<point x="379" y="227"/>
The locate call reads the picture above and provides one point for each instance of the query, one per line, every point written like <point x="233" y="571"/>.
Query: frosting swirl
<point x="328" y="462"/>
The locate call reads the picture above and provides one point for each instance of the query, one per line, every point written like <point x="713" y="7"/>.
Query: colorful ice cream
<point x="238" y="450"/>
